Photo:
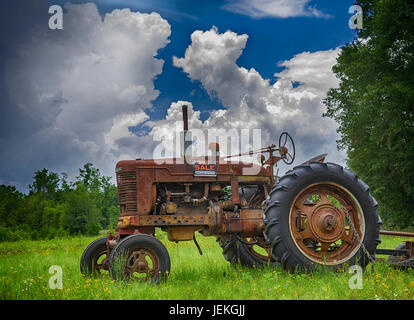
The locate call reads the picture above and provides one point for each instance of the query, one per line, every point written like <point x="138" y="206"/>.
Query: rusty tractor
<point x="318" y="214"/>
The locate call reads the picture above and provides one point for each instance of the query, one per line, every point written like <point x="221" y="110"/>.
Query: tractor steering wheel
<point x="287" y="154"/>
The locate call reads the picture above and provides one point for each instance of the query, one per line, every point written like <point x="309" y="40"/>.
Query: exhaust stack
<point x="185" y="118"/>
<point x="186" y="140"/>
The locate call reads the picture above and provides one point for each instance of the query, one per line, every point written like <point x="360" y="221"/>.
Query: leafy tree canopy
<point x="56" y="206"/>
<point x="374" y="106"/>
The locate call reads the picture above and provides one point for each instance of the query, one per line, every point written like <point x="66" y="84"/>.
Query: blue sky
<point x="64" y="103"/>
<point x="271" y="39"/>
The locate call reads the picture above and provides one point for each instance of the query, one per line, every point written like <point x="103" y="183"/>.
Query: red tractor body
<point x="317" y="214"/>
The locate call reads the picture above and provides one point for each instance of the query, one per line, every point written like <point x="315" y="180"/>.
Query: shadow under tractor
<point x="318" y="214"/>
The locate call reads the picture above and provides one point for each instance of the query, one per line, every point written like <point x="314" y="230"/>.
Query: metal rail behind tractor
<point x="317" y="214"/>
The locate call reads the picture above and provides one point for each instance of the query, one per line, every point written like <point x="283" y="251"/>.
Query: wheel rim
<point x="100" y="262"/>
<point x="319" y="226"/>
<point x="258" y="249"/>
<point x="142" y="264"/>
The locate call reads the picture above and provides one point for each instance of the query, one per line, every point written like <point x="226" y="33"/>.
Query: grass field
<point x="24" y="275"/>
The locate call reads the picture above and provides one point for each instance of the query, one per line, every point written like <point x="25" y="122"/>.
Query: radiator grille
<point x="127" y="190"/>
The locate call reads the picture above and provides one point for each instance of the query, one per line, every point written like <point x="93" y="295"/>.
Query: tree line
<point x="374" y="106"/>
<point x="56" y="207"/>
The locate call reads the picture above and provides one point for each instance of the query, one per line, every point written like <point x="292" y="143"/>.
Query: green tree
<point x="104" y="193"/>
<point x="374" y="106"/>
<point x="45" y="182"/>
<point x="91" y="177"/>
<point x="51" y="224"/>
<point x="81" y="214"/>
<point x="56" y="206"/>
<point x="10" y="200"/>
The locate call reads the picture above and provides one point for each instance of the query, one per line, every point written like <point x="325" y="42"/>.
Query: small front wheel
<point x="94" y="259"/>
<point x="140" y="257"/>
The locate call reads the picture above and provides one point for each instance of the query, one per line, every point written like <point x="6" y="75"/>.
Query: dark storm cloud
<point x="64" y="92"/>
<point x="70" y="96"/>
<point x="16" y="19"/>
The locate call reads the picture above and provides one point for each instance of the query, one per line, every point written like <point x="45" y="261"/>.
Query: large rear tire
<point x="237" y="252"/>
<point x="248" y="252"/>
<point x="306" y="220"/>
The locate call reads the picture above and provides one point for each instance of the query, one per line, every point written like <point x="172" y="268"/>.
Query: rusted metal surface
<point x="145" y="180"/>
<point x="163" y="220"/>
<point x="111" y="241"/>
<point x="319" y="227"/>
<point x="257" y="246"/>
<point x="168" y="194"/>
<point x="253" y="180"/>
<point x="127" y="191"/>
<point x="182" y="233"/>
<point x="401" y="256"/>
<point x="126" y="231"/>
<point x="175" y="196"/>
<point x="100" y="261"/>
<point x="397" y="233"/>
<point x="409" y="245"/>
<point x="185" y="117"/>
<point x="248" y="222"/>
<point x="235" y="190"/>
<point x="153" y="197"/>
<point x="318" y="158"/>
<point x="142" y="264"/>
<point x="136" y="180"/>
<point x="272" y="160"/>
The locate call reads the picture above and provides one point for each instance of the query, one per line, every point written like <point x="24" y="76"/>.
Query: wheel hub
<point x="327" y="223"/>
<point x="141" y="266"/>
<point x="138" y="263"/>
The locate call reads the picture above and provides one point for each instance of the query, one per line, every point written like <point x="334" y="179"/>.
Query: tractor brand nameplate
<point x="205" y="169"/>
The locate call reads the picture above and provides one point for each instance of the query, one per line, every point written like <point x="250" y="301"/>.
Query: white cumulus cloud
<point x="253" y="102"/>
<point x="77" y="90"/>
<point x="274" y="8"/>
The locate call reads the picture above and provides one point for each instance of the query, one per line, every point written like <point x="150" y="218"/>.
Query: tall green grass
<point x="24" y="274"/>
